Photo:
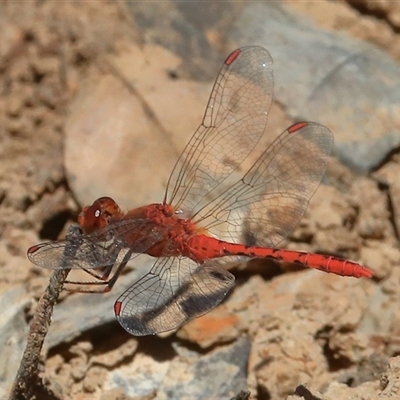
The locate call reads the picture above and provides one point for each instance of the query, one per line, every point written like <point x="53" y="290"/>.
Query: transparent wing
<point x="173" y="292"/>
<point x="234" y="121"/>
<point x="102" y="248"/>
<point x="268" y="202"/>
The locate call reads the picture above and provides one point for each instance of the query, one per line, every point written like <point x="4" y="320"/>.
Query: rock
<point x="340" y="391"/>
<point x="302" y="318"/>
<point x="329" y="78"/>
<point x="389" y="176"/>
<point x="220" y="374"/>
<point x="110" y="359"/>
<point x="123" y="142"/>
<point x="382" y="257"/>
<point x="140" y="378"/>
<point x="217" y="327"/>
<point x="182" y="28"/>
<point x="13" y="334"/>
<point x="390" y="381"/>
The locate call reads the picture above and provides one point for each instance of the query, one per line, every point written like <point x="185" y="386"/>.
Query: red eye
<point x="98" y="215"/>
<point x="91" y="218"/>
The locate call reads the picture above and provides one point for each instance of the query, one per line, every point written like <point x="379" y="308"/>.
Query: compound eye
<point x="99" y="214"/>
<point x="92" y="219"/>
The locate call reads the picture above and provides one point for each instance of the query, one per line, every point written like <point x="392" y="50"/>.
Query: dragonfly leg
<point x="106" y="285"/>
<point x="101" y="277"/>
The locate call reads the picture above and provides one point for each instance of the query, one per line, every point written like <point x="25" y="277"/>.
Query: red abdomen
<point x="203" y="247"/>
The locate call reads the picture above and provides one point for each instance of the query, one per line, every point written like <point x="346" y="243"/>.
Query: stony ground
<point x="99" y="98"/>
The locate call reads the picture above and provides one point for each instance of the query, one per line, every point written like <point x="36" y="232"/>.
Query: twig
<point x="27" y="384"/>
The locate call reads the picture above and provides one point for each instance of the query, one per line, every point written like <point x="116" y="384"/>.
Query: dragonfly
<point x="212" y="211"/>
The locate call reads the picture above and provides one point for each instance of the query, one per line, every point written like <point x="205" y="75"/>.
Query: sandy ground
<point x="337" y="336"/>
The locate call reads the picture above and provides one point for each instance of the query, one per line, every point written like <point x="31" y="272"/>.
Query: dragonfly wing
<point x="234" y="121"/>
<point x="102" y="248"/>
<point x="172" y="293"/>
<point x="268" y="202"/>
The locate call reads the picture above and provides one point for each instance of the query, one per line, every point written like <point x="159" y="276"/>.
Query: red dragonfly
<point x="203" y="217"/>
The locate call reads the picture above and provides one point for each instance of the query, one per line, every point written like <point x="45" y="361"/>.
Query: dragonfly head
<point x="99" y="214"/>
